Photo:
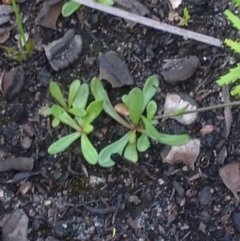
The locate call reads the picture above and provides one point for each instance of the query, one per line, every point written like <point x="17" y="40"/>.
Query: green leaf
<point x="125" y="99"/>
<point x="30" y="46"/>
<point x="171" y="140"/>
<point x="232" y="76"/>
<point x="106" y="2"/>
<point x="88" y="150"/>
<point x="130" y="152"/>
<point x="78" y="111"/>
<point x="237" y="2"/>
<point x="180" y="111"/>
<point x="63" y="143"/>
<point x="135" y="105"/>
<point x="47" y="112"/>
<point x="73" y="91"/>
<point x="104" y="158"/>
<point x="143" y="143"/>
<point x="99" y="93"/>
<point x="57" y="94"/>
<point x="150" y="89"/>
<point x="55" y="123"/>
<point x="234" y="19"/>
<point x="234" y="45"/>
<point x="151" y="109"/>
<point x="88" y="129"/>
<point x="133" y="137"/>
<point x="60" y="114"/>
<point x="81" y="97"/>
<point x="69" y="8"/>
<point x="186" y="14"/>
<point x="235" y="91"/>
<point x="93" y="111"/>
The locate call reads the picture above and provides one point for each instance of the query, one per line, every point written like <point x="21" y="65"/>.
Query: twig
<point x="199" y="110"/>
<point x="151" y="23"/>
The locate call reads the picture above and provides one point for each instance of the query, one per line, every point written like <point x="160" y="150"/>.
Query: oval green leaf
<point x="60" y="114"/>
<point x="78" y="111"/>
<point x="55" y="123"/>
<point x="88" y="150"/>
<point x="47" y="112"/>
<point x="151" y="109"/>
<point x="57" y="94"/>
<point x="130" y="152"/>
<point x="69" y="8"/>
<point x="171" y="140"/>
<point x="63" y="143"/>
<point x="143" y="143"/>
<point x="135" y="105"/>
<point x="104" y="158"/>
<point x="88" y="129"/>
<point x="81" y="97"/>
<point x="93" y="111"/>
<point x="106" y="2"/>
<point x="73" y="91"/>
<point x="150" y="89"/>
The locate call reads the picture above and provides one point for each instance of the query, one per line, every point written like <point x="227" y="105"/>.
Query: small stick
<point x="187" y="34"/>
<point x="230" y="104"/>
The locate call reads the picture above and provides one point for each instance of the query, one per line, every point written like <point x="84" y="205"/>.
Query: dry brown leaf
<point x="122" y="109"/>
<point x="49" y="14"/>
<point x="4" y="35"/>
<point x="230" y="175"/>
<point x="207" y="129"/>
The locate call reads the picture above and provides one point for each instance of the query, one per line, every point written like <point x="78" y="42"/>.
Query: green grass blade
<point x="171" y="140"/>
<point x="69" y="8"/>
<point x="105" y="159"/>
<point x="73" y="91"/>
<point x="150" y="89"/>
<point x="63" y="143"/>
<point x="135" y="105"/>
<point x="106" y="2"/>
<point x="234" y="19"/>
<point x="143" y="143"/>
<point x="180" y="111"/>
<point x="57" y="94"/>
<point x="81" y="97"/>
<point x="88" y="150"/>
<point x="130" y="152"/>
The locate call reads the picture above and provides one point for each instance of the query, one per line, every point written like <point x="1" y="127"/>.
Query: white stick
<point x="187" y="34"/>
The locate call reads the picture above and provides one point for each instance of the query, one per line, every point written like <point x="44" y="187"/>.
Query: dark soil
<point x="151" y="200"/>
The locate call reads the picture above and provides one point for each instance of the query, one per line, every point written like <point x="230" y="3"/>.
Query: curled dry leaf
<point x="4" y="34"/>
<point x="114" y="70"/>
<point x="230" y="175"/>
<point x="175" y="102"/>
<point x="122" y="109"/>
<point x="49" y="14"/>
<point x="186" y="154"/>
<point x="64" y="51"/>
<point x="16" y="227"/>
<point x="177" y="70"/>
<point x="11" y="83"/>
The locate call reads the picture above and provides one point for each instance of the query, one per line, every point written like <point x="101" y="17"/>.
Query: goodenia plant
<point x="234" y="73"/>
<point x="70" y="7"/>
<point x="77" y="116"/>
<point x="141" y="110"/>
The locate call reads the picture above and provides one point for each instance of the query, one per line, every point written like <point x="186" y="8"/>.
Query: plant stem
<point x="199" y="110"/>
<point x="20" y="26"/>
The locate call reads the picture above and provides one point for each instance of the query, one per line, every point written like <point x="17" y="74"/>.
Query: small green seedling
<point x="70" y="7"/>
<point x="141" y="109"/>
<point x="234" y="73"/>
<point x="186" y="18"/>
<point x="76" y="115"/>
<point x="26" y="47"/>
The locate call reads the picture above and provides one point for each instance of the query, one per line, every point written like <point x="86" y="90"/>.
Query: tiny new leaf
<point x="55" y="123"/>
<point x="150" y="89"/>
<point x="105" y="159"/>
<point x="151" y="109"/>
<point x="106" y="2"/>
<point x="69" y="8"/>
<point x="63" y="143"/>
<point x="73" y="91"/>
<point x="143" y="143"/>
<point x="88" y="150"/>
<point x="135" y="104"/>
<point x="57" y="94"/>
<point x="81" y="97"/>
<point x="130" y="152"/>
